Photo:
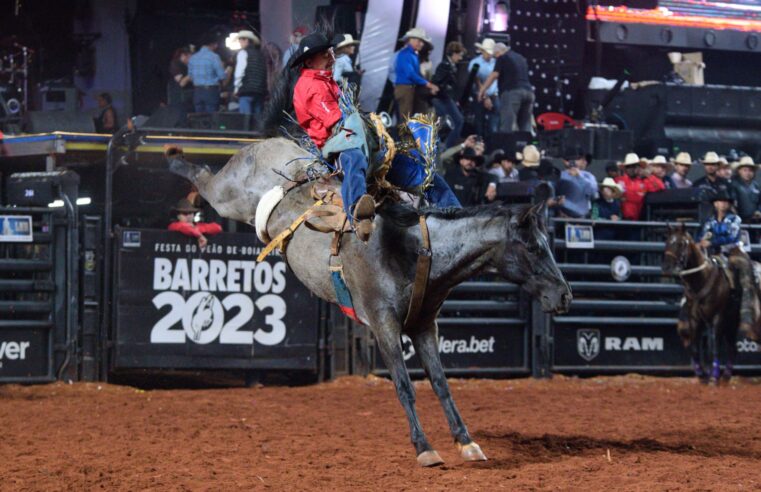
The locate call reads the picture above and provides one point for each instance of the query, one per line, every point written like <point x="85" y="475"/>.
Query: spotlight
<point x="232" y="42"/>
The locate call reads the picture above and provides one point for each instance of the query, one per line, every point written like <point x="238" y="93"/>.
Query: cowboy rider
<point x="721" y="234"/>
<point x="315" y="101"/>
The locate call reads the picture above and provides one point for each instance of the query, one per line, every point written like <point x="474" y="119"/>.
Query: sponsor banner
<point x="16" y="228"/>
<point x="178" y="306"/>
<point x="748" y="353"/>
<point x="24" y="353"/>
<point x="619" y="346"/>
<point x="579" y="236"/>
<point x="465" y="347"/>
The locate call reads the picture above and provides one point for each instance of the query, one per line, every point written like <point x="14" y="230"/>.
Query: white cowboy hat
<point x="610" y="183"/>
<point x="487" y="45"/>
<point x="531" y="156"/>
<point x="659" y="160"/>
<point x="417" y="32"/>
<point x="745" y="161"/>
<point x="631" y="159"/>
<point x="711" y="158"/>
<point x="348" y="40"/>
<point x="683" y="158"/>
<point x="248" y="35"/>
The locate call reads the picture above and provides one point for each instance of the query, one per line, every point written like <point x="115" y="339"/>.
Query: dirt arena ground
<point x="625" y="433"/>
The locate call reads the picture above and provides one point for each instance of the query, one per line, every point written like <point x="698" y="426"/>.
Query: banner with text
<point x="180" y="307"/>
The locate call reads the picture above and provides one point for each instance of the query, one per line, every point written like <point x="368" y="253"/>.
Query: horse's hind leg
<point x="390" y="346"/>
<point x="729" y="335"/>
<point x="426" y="346"/>
<point x="715" y="342"/>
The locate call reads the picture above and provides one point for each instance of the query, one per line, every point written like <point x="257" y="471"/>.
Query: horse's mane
<point x="403" y="215"/>
<point x="280" y="103"/>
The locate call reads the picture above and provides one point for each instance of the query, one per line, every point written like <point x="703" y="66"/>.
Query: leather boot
<point x="364" y="213"/>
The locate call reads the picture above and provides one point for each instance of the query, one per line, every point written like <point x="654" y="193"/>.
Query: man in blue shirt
<point x="486" y="111"/>
<point x="207" y="73"/>
<point x="409" y="84"/>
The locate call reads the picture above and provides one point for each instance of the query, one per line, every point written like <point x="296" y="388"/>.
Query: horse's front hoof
<point x="429" y="458"/>
<point x="471" y="452"/>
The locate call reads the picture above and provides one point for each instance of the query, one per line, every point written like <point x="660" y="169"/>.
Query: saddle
<point x="722" y="263"/>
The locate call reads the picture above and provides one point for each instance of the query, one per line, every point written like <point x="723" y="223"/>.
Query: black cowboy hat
<point x="310" y="45"/>
<point x="577" y="153"/>
<point x="469" y="153"/>
<point x="184" y="206"/>
<point x="721" y="195"/>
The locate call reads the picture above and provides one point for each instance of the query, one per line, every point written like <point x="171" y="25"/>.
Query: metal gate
<point x="39" y="251"/>
<point x="629" y="325"/>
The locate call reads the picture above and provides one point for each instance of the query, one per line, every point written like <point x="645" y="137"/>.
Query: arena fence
<point x="39" y="255"/>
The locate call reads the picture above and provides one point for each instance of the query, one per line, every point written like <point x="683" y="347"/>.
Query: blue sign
<point x="16" y="228"/>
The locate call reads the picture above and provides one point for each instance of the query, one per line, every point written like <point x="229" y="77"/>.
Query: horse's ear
<point x="534" y="212"/>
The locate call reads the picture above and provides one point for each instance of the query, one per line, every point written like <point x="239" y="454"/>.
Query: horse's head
<point x="679" y="246"/>
<point x="527" y="260"/>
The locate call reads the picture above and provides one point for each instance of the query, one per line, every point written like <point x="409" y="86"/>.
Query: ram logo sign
<point x="589" y="344"/>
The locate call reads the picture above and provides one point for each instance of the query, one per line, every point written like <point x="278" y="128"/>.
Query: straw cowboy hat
<point x="711" y="158"/>
<point x="531" y="156"/>
<point x="417" y="32"/>
<point x="683" y="158"/>
<point x="250" y="36"/>
<point x="659" y="160"/>
<point x="342" y="40"/>
<point x="610" y="183"/>
<point x="745" y="161"/>
<point x="632" y="159"/>
<point x="184" y="206"/>
<point x="487" y="45"/>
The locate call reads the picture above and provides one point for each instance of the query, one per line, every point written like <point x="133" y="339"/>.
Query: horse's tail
<point x="198" y="175"/>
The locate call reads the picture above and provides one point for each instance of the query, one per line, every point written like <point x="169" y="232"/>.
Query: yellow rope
<point x="282" y="238"/>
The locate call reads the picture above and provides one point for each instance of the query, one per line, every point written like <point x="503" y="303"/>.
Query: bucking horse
<point x="382" y="274"/>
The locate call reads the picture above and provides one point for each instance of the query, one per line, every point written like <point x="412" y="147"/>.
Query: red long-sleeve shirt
<point x="195" y="230"/>
<point x="635" y="190"/>
<point x="315" y="100"/>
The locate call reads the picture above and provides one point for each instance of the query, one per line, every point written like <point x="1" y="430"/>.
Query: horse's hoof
<point x="471" y="452"/>
<point x="429" y="458"/>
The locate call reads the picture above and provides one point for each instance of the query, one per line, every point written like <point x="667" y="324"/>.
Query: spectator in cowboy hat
<point x="516" y="93"/>
<point x="185" y="224"/>
<point x="725" y="169"/>
<point x="635" y="186"/>
<point x="608" y="206"/>
<point x="682" y="165"/>
<point x="576" y="188"/>
<point x="470" y="184"/>
<point x="746" y="192"/>
<point x="503" y="166"/>
<point x="711" y="182"/>
<point x="250" y="82"/>
<point x="580" y="160"/>
<point x="409" y="83"/>
<point x="487" y="110"/>
<point x="529" y="163"/>
<point x="660" y="168"/>
<point x="345" y="46"/>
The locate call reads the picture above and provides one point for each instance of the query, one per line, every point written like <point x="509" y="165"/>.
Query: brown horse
<point x="709" y="314"/>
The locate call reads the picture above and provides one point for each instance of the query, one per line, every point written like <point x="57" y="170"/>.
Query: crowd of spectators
<point x="501" y="99"/>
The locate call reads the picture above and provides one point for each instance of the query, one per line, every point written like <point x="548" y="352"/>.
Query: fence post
<point x="541" y="342"/>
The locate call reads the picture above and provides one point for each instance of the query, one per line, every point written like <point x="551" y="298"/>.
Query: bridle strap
<point x="422" y="272"/>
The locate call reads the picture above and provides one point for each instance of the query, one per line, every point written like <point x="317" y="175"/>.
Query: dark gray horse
<point x="380" y="274"/>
